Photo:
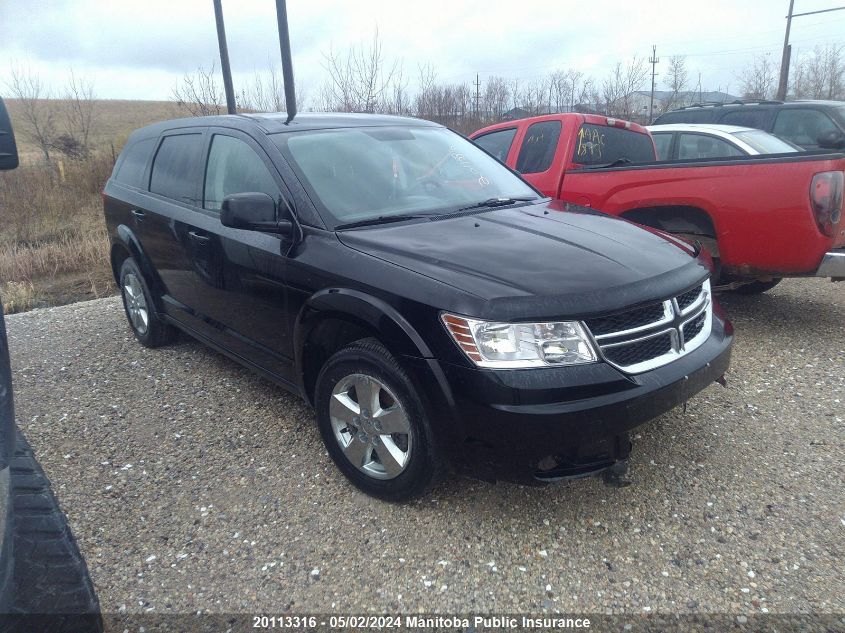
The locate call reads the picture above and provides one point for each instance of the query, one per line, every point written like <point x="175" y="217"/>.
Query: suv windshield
<point x="359" y="174"/>
<point x="766" y="143"/>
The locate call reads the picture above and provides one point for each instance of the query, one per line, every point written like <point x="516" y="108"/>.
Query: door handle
<point x="199" y="238"/>
<point x="139" y="215"/>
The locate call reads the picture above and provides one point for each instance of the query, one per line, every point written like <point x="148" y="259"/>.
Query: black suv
<point x="430" y="304"/>
<point x="810" y="124"/>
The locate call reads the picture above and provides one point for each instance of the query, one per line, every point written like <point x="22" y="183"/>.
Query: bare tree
<point x="265" y="92"/>
<point x="37" y="108"/>
<point x="820" y="74"/>
<point x="359" y="80"/>
<point x="495" y="97"/>
<point x="758" y="80"/>
<point x="677" y="81"/>
<point x="619" y="87"/>
<point x="78" y="117"/>
<point x="199" y="93"/>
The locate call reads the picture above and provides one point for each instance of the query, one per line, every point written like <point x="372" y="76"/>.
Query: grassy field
<point x="53" y="244"/>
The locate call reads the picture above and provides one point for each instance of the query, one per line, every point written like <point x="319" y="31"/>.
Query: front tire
<point x="145" y="322"/>
<point x="374" y="424"/>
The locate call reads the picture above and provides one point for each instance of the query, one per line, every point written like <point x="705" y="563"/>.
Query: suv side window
<point x="803" y="126"/>
<point x="701" y="146"/>
<point x="497" y="143"/>
<point x="538" y="147"/>
<point x="234" y="167"/>
<point x="662" y="143"/>
<point x="134" y="164"/>
<point x="745" y="117"/>
<point x="174" y="167"/>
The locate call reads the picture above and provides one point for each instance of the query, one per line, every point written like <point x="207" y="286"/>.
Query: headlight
<point x="518" y="345"/>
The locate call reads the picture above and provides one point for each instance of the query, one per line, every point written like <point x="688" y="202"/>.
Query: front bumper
<point x="540" y="425"/>
<point x="833" y="264"/>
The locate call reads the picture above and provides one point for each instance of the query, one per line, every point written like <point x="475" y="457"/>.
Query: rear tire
<point x="757" y="287"/>
<point x="374" y="424"/>
<point x="147" y="326"/>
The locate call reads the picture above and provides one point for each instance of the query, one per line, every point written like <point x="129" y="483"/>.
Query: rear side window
<point x="134" y="163"/>
<point x="604" y="145"/>
<point x="702" y="146"/>
<point x="662" y="142"/>
<point x="497" y="143"/>
<point x="803" y="126"/>
<point x="686" y="116"/>
<point x="233" y="167"/>
<point x="745" y="117"/>
<point x="538" y="147"/>
<point x="174" y="167"/>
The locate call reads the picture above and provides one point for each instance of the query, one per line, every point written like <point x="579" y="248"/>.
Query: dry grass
<point x="53" y="242"/>
<point x="52" y="234"/>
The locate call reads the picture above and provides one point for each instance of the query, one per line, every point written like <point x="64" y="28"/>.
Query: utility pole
<point x="787" y="54"/>
<point x="477" y="97"/>
<point x="224" y="58"/>
<point x="287" y="62"/>
<point x="653" y="60"/>
<point x="787" y="48"/>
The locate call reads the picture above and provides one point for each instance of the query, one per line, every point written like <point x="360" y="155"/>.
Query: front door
<point x="237" y="277"/>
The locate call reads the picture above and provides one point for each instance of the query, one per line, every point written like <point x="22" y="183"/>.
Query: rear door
<point x="173" y="195"/>
<point x="236" y="278"/>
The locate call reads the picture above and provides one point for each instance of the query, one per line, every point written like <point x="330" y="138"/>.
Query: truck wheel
<point x="146" y="325"/>
<point x="374" y="424"/>
<point x="757" y="287"/>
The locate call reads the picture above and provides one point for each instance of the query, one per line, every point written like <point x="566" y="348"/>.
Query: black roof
<point x="274" y="122"/>
<point x="763" y="102"/>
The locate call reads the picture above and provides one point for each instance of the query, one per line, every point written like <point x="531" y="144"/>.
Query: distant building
<point x="515" y="113"/>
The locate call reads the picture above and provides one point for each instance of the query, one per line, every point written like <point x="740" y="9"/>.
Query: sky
<point x="139" y="49"/>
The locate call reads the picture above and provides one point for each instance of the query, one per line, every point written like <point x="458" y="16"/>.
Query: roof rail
<point x="716" y="104"/>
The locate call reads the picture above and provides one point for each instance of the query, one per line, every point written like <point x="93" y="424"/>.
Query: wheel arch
<point x="127" y="245"/>
<point x="683" y="220"/>
<point x="335" y="317"/>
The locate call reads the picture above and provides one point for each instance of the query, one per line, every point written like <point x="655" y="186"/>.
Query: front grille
<point x="649" y="336"/>
<point x="688" y="298"/>
<point x="641" y="351"/>
<point x="693" y="328"/>
<point x="627" y="320"/>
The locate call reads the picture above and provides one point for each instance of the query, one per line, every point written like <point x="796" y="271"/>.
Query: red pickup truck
<point x="761" y="217"/>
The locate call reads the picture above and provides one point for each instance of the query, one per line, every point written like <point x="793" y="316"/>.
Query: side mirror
<point x="831" y="140"/>
<point x="8" y="148"/>
<point x="253" y="211"/>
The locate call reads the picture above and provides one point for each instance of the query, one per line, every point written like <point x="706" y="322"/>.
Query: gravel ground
<point x="191" y="484"/>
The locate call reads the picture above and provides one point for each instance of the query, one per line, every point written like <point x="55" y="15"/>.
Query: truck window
<point x="538" y="147"/>
<point x="602" y="145"/>
<point x="702" y="146"/>
<point x="662" y="142"/>
<point x="497" y="143"/>
<point x="134" y="163"/>
<point x="803" y="126"/>
<point x="233" y="167"/>
<point x="174" y="167"/>
<point x="745" y="117"/>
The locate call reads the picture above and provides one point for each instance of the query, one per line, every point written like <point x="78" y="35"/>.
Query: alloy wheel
<point x="136" y="303"/>
<point x="371" y="426"/>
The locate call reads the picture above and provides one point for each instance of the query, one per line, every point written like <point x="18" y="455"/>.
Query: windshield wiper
<point x="624" y="160"/>
<point x="491" y="203"/>
<point x="382" y="219"/>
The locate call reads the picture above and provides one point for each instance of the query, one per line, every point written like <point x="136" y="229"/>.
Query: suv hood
<point x="547" y="259"/>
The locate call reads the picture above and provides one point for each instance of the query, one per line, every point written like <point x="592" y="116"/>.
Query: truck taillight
<point x="826" y="198"/>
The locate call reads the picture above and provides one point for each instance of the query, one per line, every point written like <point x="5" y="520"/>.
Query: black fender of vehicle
<point x="127" y="242"/>
<point x="369" y="314"/>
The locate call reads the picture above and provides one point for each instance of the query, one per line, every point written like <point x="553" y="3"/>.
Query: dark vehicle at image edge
<point x="433" y="308"/>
